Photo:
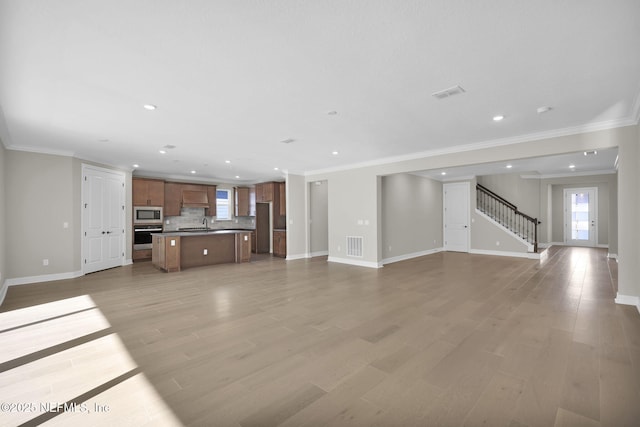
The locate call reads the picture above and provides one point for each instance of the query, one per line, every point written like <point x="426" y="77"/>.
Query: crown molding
<point x="570" y="174"/>
<point x="40" y="150"/>
<point x="574" y="130"/>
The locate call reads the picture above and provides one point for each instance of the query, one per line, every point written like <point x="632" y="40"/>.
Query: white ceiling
<point x="231" y="79"/>
<point x="595" y="163"/>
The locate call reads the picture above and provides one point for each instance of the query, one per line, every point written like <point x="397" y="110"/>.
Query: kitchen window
<point x="223" y="207"/>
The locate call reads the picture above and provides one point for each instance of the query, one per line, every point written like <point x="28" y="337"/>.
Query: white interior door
<point x="580" y="220"/>
<point x="456" y="216"/>
<point x="103" y="219"/>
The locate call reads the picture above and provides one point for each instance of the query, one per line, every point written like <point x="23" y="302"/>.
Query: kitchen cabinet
<point x="147" y="192"/>
<point x="172" y="198"/>
<point x="243" y="247"/>
<point x="211" y="193"/>
<point x="280" y="243"/>
<point x="166" y="253"/>
<point x="243" y="202"/>
<point x="282" y="198"/>
<point x="264" y="192"/>
<point x="176" y="251"/>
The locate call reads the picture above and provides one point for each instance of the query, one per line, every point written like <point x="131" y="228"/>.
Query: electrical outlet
<point x="338" y="248"/>
<point x="65" y="225"/>
<point x="45" y="262"/>
<point x="497" y="243"/>
<point x="389" y="248"/>
<point x="173" y="242"/>
<point x="205" y="252"/>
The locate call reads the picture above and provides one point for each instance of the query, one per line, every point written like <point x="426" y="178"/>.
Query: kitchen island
<point x="174" y="251"/>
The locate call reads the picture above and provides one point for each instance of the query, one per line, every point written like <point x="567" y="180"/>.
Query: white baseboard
<point x="602" y="246"/>
<point x="411" y="255"/>
<point x="43" y="278"/>
<point x="128" y="261"/>
<point x="368" y="264"/>
<point x="319" y="253"/>
<point x="628" y="300"/>
<point x="296" y="256"/>
<point x="529" y="255"/>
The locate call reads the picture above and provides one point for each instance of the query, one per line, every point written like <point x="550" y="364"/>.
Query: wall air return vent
<point x="455" y="90"/>
<point x="354" y="246"/>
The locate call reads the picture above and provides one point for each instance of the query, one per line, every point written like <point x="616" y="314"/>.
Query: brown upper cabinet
<point x="243" y="201"/>
<point x="283" y="200"/>
<point x="172" y="198"/>
<point x="148" y="192"/>
<point x="211" y="192"/>
<point x="264" y="192"/>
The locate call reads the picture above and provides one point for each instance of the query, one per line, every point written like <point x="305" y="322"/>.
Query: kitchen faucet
<point x="206" y="223"/>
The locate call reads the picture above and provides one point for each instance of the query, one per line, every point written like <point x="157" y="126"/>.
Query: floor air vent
<point x="354" y="246"/>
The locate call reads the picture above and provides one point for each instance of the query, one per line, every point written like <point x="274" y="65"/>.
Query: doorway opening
<point x="580" y="216"/>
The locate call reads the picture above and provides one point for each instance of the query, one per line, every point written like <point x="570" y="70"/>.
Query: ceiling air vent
<point x="455" y="90"/>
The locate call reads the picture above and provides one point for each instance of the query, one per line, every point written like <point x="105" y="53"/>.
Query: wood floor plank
<point x="446" y="339"/>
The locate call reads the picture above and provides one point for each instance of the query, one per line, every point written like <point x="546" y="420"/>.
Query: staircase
<point x="507" y="214"/>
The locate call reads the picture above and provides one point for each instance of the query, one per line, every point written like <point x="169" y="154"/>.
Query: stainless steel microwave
<point x="147" y="215"/>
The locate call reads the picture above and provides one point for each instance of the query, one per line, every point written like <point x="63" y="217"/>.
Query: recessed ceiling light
<point x="163" y="151"/>
<point x="572" y="166"/>
<point x="287" y="141"/>
<point x="335" y="153"/>
<point x="497" y="118"/>
<point x="237" y="176"/>
<point x="509" y="166"/>
<point x="275" y="169"/>
<point x="443" y="173"/>
<point x="193" y="171"/>
<point x="169" y="147"/>
<point x="136" y="165"/>
<point x="332" y="113"/>
<point x="103" y="140"/>
<point x="590" y="153"/>
<point x="149" y="107"/>
<point x="542" y="110"/>
<point x="227" y="161"/>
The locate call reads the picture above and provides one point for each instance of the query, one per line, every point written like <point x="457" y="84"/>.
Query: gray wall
<point x="547" y="195"/>
<point x="524" y="193"/>
<point x="40" y="193"/>
<point x="43" y="191"/>
<point x="297" y="215"/>
<point x="319" y="218"/>
<point x="411" y="215"/>
<point x="607" y="206"/>
<point x="3" y="234"/>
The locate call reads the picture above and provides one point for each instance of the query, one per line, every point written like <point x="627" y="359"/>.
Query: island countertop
<point x="176" y="250"/>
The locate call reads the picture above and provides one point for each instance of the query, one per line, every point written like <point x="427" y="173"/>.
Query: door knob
<point x="103" y="232"/>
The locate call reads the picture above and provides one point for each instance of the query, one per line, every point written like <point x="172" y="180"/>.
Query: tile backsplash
<point x="192" y="217"/>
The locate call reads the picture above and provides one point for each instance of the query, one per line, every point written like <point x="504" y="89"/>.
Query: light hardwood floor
<point x="444" y="340"/>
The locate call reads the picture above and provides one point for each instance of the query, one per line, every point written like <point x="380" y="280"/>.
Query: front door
<point x="103" y="219"/>
<point x="456" y="216"/>
<point x="580" y="223"/>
